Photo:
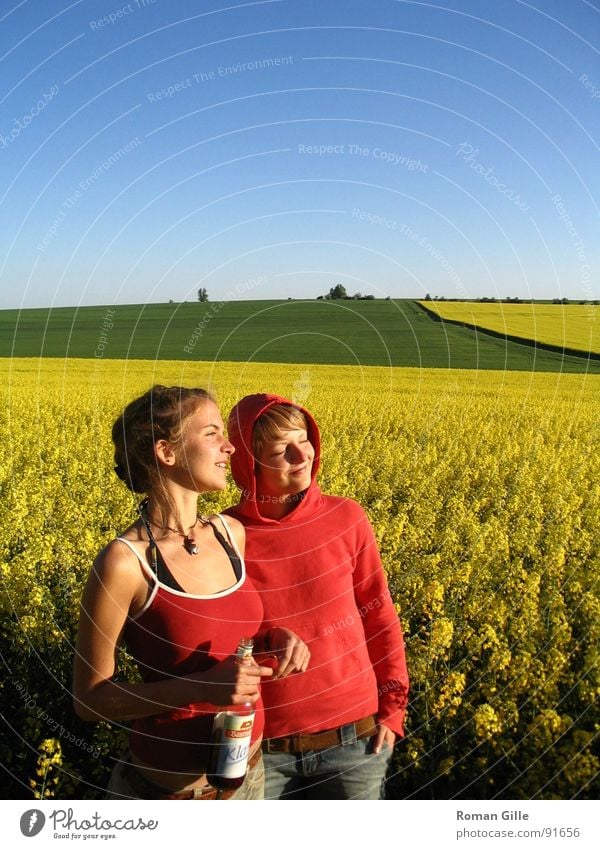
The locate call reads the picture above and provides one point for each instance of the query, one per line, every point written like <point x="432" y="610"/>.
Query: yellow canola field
<point x="572" y="326"/>
<point x="484" y="492"/>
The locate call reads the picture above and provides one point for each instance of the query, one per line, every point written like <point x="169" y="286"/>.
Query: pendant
<point x="190" y="546"/>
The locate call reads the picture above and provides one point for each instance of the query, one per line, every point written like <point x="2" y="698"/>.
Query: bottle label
<point x="235" y="731"/>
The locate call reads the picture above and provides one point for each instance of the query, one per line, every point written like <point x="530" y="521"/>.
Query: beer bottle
<point x="231" y="735"/>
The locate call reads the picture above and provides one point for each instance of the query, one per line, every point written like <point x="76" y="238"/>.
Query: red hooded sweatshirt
<point x="319" y="573"/>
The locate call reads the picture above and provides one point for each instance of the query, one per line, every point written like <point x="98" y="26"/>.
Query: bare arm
<point x="114" y="588"/>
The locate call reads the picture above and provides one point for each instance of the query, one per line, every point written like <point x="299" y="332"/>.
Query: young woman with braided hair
<point x="173" y="588"/>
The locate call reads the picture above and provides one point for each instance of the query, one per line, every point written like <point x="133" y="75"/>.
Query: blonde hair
<point x="270" y="424"/>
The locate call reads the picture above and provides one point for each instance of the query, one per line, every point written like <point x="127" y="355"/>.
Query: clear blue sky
<point x="274" y="149"/>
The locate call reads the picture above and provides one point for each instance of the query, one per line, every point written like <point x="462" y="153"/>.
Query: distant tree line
<point x="507" y="300"/>
<point x="339" y="292"/>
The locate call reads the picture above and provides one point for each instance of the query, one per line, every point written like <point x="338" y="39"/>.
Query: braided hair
<point x="160" y="413"/>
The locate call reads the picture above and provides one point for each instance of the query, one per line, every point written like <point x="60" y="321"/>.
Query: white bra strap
<point x="150" y="574"/>
<point x="230" y="536"/>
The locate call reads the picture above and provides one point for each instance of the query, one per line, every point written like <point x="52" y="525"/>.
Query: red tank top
<point x="176" y="633"/>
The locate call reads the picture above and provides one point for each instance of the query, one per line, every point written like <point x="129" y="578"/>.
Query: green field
<point x="573" y="328"/>
<point x="364" y="333"/>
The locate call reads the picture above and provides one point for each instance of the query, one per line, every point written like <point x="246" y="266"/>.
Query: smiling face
<point x="284" y="464"/>
<point x="203" y="456"/>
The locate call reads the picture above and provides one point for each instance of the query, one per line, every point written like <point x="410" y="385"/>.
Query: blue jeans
<point x="349" y="771"/>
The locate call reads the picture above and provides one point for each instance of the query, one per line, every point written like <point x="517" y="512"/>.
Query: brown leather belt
<point x="147" y="789"/>
<point x="344" y="735"/>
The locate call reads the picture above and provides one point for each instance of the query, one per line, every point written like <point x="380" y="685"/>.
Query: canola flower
<point x="484" y="492"/>
<point x="571" y="326"/>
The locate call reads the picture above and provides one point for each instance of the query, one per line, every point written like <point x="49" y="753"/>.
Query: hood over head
<point x="239" y="431"/>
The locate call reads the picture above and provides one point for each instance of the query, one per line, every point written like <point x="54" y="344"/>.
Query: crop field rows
<point x="562" y="327"/>
<point x="340" y="332"/>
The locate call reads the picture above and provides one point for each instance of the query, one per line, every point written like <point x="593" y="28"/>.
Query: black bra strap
<point x="164" y="574"/>
<point x="231" y="552"/>
<point x="160" y="568"/>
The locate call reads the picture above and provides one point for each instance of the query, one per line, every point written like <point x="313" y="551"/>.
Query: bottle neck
<point x="245" y="649"/>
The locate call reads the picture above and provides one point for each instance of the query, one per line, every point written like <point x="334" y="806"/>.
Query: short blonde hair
<point x="279" y="417"/>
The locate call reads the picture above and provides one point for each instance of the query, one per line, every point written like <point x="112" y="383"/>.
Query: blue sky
<point x="274" y="149"/>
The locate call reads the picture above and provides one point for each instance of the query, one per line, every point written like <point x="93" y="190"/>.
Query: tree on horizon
<point x="337" y="292"/>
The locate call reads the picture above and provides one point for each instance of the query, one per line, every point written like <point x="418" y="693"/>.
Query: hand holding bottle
<point x="233" y="683"/>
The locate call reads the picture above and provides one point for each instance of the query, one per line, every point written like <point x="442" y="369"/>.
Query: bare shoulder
<point x="234" y="526"/>
<point x="118" y="562"/>
<point x="232" y="523"/>
<point x="116" y="584"/>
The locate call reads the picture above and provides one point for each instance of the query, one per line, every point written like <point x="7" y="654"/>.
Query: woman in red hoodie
<point x="313" y="558"/>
